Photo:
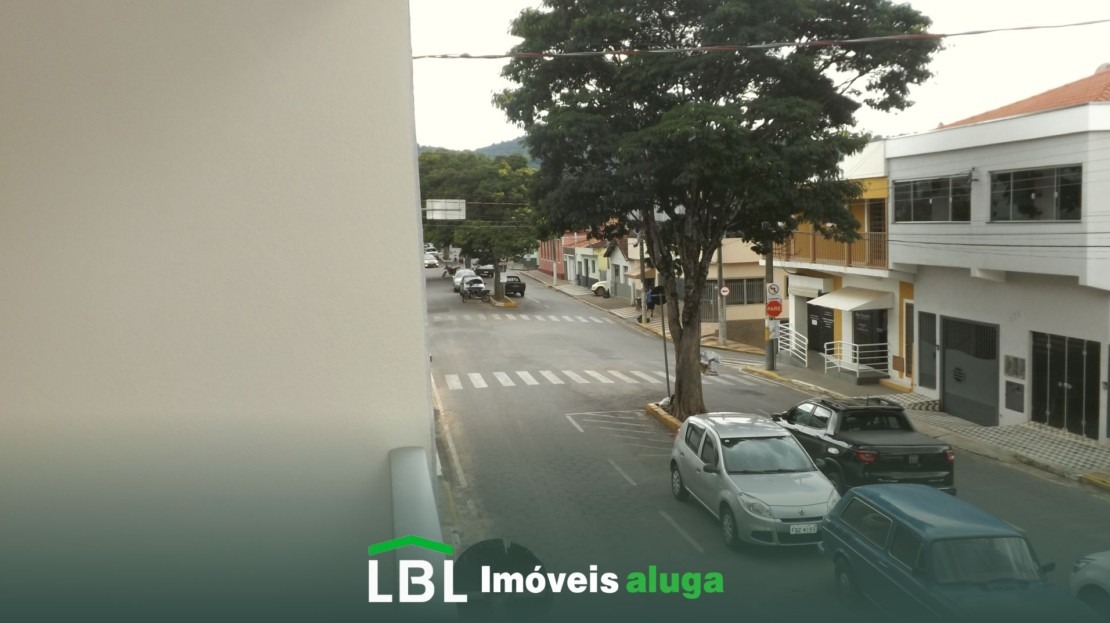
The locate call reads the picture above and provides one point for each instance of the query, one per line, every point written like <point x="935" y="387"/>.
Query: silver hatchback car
<point x="757" y="481"/>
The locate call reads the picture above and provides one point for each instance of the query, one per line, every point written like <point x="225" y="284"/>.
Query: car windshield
<point x="765" y="455"/>
<point x="983" y="560"/>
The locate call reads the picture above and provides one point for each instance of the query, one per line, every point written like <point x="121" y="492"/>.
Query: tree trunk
<point x="688" y="399"/>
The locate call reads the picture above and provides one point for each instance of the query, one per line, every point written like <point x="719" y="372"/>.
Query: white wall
<point x="1023" y="304"/>
<point x="198" y="380"/>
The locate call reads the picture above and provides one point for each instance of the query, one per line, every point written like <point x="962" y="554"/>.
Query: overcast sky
<point x="972" y="75"/>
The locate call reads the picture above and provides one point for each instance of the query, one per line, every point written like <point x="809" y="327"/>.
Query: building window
<point x="939" y="199"/>
<point x="1037" y="194"/>
<point x="744" y="291"/>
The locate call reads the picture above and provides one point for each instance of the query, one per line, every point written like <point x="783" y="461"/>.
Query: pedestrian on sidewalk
<point x="651" y="305"/>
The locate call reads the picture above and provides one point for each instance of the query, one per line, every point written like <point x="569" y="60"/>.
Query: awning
<point x="855" y="299"/>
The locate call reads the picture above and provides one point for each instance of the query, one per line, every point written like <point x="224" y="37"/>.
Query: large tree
<point x="499" y="224"/>
<point x="690" y="145"/>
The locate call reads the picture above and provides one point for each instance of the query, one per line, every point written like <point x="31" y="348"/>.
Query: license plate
<point x="912" y="459"/>
<point x="805" y="528"/>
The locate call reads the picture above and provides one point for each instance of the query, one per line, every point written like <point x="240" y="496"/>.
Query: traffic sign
<point x="773" y="290"/>
<point x="725" y="290"/>
<point x="774" y="308"/>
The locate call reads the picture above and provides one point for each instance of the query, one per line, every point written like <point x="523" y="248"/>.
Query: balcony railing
<point x="870" y="251"/>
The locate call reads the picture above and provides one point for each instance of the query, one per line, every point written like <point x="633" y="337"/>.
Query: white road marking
<point x="466" y="316"/>
<point x="609" y="320"/>
<point x="554" y="318"/>
<point x="714" y="379"/>
<point x="625" y="378"/>
<point x="510" y="317"/>
<point x="625" y="430"/>
<point x="681" y="532"/>
<point x="583" y="318"/>
<point x="647" y="377"/>
<point x="574" y="376"/>
<point x="568" y="318"/>
<point x="621" y="472"/>
<point x="575" y="424"/>
<point x="527" y="378"/>
<point x="540" y="318"/>
<point x="597" y="319"/>
<point x="551" y="376"/>
<point x="664" y="375"/>
<point x="477" y="380"/>
<point x="524" y="317"/>
<point x="453" y="381"/>
<point x="497" y="316"/>
<point x="599" y="376"/>
<point x="504" y="378"/>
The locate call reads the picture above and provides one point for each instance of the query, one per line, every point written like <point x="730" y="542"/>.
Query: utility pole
<point x="769" y="278"/>
<point x="643" y="269"/>
<point x="722" y="308"/>
<point x="556" y="251"/>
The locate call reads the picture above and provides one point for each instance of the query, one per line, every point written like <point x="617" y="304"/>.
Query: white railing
<point x="856" y="358"/>
<point x="790" y="341"/>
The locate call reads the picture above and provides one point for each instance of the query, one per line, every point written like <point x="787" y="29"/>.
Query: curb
<point x="1096" y="479"/>
<point x="782" y="380"/>
<point x="665" y="418"/>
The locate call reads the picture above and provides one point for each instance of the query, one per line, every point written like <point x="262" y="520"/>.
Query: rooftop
<point x="1094" y="88"/>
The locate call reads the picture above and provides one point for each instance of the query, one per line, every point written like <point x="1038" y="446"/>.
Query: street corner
<point x="668" y="420"/>
<point x="1100" y="479"/>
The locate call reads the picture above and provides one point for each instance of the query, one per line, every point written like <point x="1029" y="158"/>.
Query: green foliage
<point x="499" y="223"/>
<point x="689" y="147"/>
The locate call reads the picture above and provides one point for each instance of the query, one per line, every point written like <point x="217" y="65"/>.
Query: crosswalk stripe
<point x="568" y="318"/>
<point x="625" y="378"/>
<point x="554" y="318"/>
<point x="527" y="378"/>
<point x="665" y="375"/>
<point x="574" y="377"/>
<point x="599" y="376"/>
<point x="497" y="316"/>
<point x="551" y="376"/>
<point x="595" y="319"/>
<point x="524" y="317"/>
<point x="510" y="316"/>
<point x="647" y="377"/>
<point x="504" y="378"/>
<point x="609" y="320"/>
<point x="453" y="381"/>
<point x="466" y="316"/>
<point x="582" y="318"/>
<point x="540" y="318"/>
<point x="714" y="379"/>
<point x="476" y="380"/>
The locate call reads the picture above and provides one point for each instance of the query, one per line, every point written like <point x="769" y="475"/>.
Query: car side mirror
<point x="1048" y="567"/>
<point x="777" y="417"/>
<point x="709" y="468"/>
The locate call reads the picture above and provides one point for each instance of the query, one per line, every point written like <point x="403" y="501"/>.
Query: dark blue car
<point x="921" y="554"/>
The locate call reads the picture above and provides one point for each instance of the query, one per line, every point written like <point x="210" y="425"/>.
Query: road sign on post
<point x="725" y="290"/>
<point x="774" y="308"/>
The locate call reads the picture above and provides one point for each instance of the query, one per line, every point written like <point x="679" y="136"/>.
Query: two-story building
<point x="1003" y="219"/>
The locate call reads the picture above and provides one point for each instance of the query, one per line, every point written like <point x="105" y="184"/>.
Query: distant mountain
<point x="505" y="148"/>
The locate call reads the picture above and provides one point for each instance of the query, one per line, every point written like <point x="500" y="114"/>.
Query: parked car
<point x="461" y="274"/>
<point x="753" y="477"/>
<point x="1090" y="582"/>
<point x="600" y="289"/>
<point x="869" y="441"/>
<point x="486" y="270"/>
<point x="430" y="261"/>
<point x="514" y="286"/>
<point x="914" y="551"/>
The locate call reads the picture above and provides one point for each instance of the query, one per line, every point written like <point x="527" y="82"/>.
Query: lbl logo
<point x="415" y="573"/>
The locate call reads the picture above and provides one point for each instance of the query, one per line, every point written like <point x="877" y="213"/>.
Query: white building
<point x="1003" y="220"/>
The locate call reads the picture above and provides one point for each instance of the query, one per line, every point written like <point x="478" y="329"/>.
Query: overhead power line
<point x="755" y="46"/>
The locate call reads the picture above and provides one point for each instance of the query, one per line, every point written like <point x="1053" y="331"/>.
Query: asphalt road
<point x="544" y="442"/>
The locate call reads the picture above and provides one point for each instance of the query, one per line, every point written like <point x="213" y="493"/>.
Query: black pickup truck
<point x="514" y="285"/>
<point x="868" y="441"/>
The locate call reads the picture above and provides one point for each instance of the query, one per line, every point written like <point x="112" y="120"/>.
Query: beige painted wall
<point x="198" y="380"/>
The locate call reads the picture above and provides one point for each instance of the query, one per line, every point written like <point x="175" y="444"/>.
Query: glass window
<point x="940" y="199"/>
<point x="980" y="560"/>
<point x="693" y="436"/>
<point x="906" y="548"/>
<point x="709" y="452"/>
<point x="821" y="417"/>
<point x="800" y="414"/>
<point x="765" y="455"/>
<point x="868" y="522"/>
<point x="1053" y="194"/>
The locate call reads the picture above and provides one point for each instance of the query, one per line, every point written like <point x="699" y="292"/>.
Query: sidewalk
<point x="1049" y="449"/>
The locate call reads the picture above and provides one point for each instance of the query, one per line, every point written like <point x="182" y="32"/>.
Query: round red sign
<point x="774" y="308"/>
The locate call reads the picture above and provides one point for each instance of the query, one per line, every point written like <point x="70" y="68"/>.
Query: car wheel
<point x="678" y="488"/>
<point x="1097" y="599"/>
<point x="846" y="589"/>
<point x="729" y="530"/>
<point x="837" y="480"/>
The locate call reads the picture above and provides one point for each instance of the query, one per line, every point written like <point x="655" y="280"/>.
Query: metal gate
<point x="927" y="365"/>
<point x="969" y="387"/>
<point x="1064" y="383"/>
